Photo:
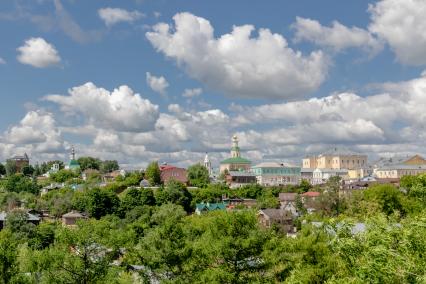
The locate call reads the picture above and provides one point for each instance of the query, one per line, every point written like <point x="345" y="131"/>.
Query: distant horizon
<point x="140" y="81"/>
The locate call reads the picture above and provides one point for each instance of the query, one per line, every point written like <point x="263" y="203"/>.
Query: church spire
<point x="72" y="156"/>
<point x="207" y="163"/>
<point x="235" y="150"/>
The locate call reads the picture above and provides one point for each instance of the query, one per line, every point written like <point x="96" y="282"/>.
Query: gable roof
<point x="276" y="214"/>
<point x="210" y="206"/>
<point x="311" y="194"/>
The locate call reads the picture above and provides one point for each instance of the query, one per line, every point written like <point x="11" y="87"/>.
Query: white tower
<point x="235" y="150"/>
<point x="208" y="164"/>
<point x="72" y="155"/>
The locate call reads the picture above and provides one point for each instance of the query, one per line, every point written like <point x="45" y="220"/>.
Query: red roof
<point x="166" y="167"/>
<point x="311" y="194"/>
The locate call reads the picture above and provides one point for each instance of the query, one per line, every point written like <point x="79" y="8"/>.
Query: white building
<point x="321" y="176"/>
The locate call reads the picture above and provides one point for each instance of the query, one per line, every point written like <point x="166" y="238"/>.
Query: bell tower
<point x="235" y="150"/>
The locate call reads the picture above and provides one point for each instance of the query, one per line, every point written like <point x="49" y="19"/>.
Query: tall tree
<point x="89" y="163"/>
<point x="2" y="170"/>
<point x="198" y="175"/>
<point x="174" y="192"/>
<point x="153" y="173"/>
<point x="109" y="166"/>
<point x="11" y="167"/>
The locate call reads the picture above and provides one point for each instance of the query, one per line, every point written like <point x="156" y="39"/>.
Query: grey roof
<point x="73" y="214"/>
<point x="340" y="152"/>
<point x="30" y="217"/>
<point x="274" y="165"/>
<point x="276" y="214"/>
<point x="332" y="170"/>
<point x="307" y="170"/>
<point x="287" y="196"/>
<point x="402" y="167"/>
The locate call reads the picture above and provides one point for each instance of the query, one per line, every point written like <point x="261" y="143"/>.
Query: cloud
<point x="112" y="16"/>
<point x="338" y="37"/>
<point x="2" y="61"/>
<point x="157" y="84"/>
<point x="120" y="110"/>
<point x="37" y="134"/>
<point x="402" y="23"/>
<point x="237" y="63"/>
<point x="69" y="26"/>
<point x="191" y="93"/>
<point x="38" y="53"/>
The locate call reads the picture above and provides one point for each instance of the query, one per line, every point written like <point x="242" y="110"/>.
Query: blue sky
<point x="306" y="76"/>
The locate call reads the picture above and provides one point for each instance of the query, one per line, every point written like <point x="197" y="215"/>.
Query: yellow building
<point x="335" y="159"/>
<point x="397" y="168"/>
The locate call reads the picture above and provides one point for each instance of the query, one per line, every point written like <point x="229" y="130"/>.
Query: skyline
<point x="138" y="81"/>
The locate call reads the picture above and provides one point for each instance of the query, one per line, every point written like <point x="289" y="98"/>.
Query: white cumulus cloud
<point x="337" y="37"/>
<point x="38" y="53"/>
<point x="157" y="84"/>
<point x="121" y="109"/>
<point x="2" y="61"/>
<point x="237" y="63"/>
<point x="112" y="16"/>
<point x="402" y="23"/>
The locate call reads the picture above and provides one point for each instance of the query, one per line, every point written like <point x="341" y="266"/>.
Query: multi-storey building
<point x="335" y="159"/>
<point x="276" y="174"/>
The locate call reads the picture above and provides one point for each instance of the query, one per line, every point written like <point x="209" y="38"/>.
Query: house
<point x="110" y="177"/>
<point x="21" y="162"/>
<point x="208" y="207"/>
<point x="278" y="218"/>
<point x="90" y="173"/>
<point x="71" y="218"/>
<point x="31" y="218"/>
<point x="288" y="202"/>
<point x="235" y="179"/>
<point x="276" y="174"/>
<point x="169" y="173"/>
<point x="235" y="162"/>
<point x="398" y="171"/>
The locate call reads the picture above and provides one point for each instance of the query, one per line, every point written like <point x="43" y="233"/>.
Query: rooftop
<point x="236" y="160"/>
<point x="274" y="165"/>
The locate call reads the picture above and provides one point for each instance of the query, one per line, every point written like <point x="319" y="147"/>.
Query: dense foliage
<point x="134" y="235"/>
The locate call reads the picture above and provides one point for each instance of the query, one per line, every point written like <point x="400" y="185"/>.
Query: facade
<point x="288" y="202"/>
<point x="169" y="173"/>
<point x="307" y="174"/>
<point x="235" y="162"/>
<point x="21" y="162"/>
<point x="235" y="179"/>
<point x="321" y="176"/>
<point x="395" y="168"/>
<point x="335" y="159"/>
<point x="275" y="174"/>
<point x="71" y="218"/>
<point x="398" y="171"/>
<point x="73" y="165"/>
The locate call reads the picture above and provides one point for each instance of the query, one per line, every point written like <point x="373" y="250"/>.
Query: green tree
<point x="17" y="223"/>
<point x="387" y="196"/>
<point x="9" y="266"/>
<point x="198" y="175"/>
<point x="28" y="170"/>
<point x="305" y="185"/>
<point x="98" y="202"/>
<point x="63" y="176"/>
<point x="109" y="166"/>
<point x="137" y="197"/>
<point x="174" y="192"/>
<point x="20" y="183"/>
<point x="153" y="173"/>
<point x="89" y="163"/>
<point x="2" y="170"/>
<point x="11" y="168"/>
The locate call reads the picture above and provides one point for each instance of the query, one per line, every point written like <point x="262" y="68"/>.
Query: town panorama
<point x="227" y="141"/>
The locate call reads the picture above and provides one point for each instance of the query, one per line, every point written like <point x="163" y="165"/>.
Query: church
<point x="235" y="162"/>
